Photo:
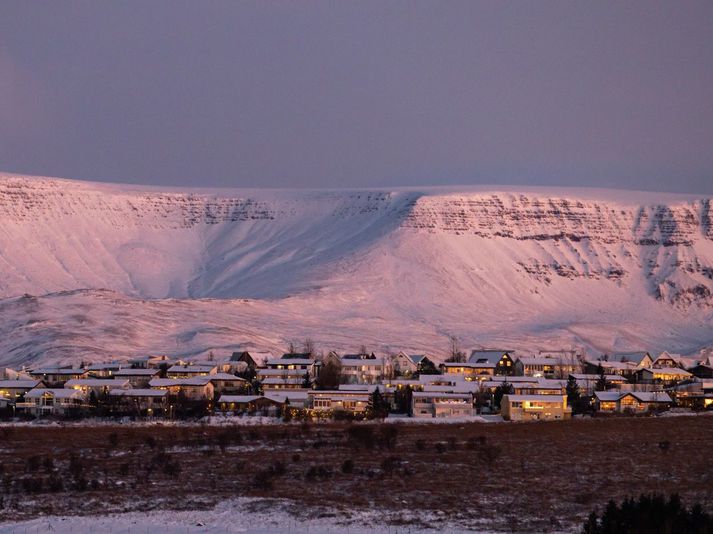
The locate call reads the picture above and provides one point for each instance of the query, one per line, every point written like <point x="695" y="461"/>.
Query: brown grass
<point x="537" y="476"/>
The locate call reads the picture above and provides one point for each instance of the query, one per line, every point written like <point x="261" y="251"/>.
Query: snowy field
<point x="248" y="516"/>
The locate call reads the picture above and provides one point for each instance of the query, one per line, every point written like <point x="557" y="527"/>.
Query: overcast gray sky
<point x="360" y="93"/>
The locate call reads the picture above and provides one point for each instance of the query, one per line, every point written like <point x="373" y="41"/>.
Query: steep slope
<point x="393" y="269"/>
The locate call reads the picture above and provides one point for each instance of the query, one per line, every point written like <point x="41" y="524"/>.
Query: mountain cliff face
<point x="491" y="266"/>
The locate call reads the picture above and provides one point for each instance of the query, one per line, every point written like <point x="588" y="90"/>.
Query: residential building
<point x="248" y="404"/>
<point x="57" y="376"/>
<point x="138" y="378"/>
<point x="189" y="371"/>
<point x="196" y="388"/>
<point x="502" y="360"/>
<point x="52" y="401"/>
<point x="12" y="390"/>
<point x="534" y="407"/>
<point x="665" y="375"/>
<point x="141" y="401"/>
<point x="631" y="401"/>
<point x="98" y="386"/>
<point x="545" y="366"/>
<point x="430" y="404"/>
<point x="364" y="369"/>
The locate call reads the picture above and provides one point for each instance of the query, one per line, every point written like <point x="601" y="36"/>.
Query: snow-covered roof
<point x="295" y="395"/>
<point x="542" y="360"/>
<point x="636" y="357"/>
<point x="180" y="382"/>
<point x="103" y="366"/>
<point x="58" y="393"/>
<point x="491" y="355"/>
<point x="191" y="368"/>
<point x="225" y="376"/>
<point x="471" y="365"/>
<point x="137" y="372"/>
<point x="611" y="378"/>
<point x="668" y="371"/>
<point x="96" y="382"/>
<point x="440" y="395"/>
<point x="290" y="361"/>
<point x="608" y="396"/>
<point x="19" y="384"/>
<point x="651" y="396"/>
<point x="282" y="381"/>
<point x="239" y="399"/>
<point x="138" y="392"/>
<point x="554" y="399"/>
<point x="57" y="371"/>
<point x="359" y="387"/>
<point x="642" y="396"/>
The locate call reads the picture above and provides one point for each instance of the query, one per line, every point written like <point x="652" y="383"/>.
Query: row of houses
<point x="537" y="385"/>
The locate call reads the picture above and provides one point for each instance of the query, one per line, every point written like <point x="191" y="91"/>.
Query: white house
<point x="534" y="407"/>
<point x="425" y="404"/>
<point x="46" y="401"/>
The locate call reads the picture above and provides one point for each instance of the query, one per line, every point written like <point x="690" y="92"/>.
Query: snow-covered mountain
<point x="120" y="270"/>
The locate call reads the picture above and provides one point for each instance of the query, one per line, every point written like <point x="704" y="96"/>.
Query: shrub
<point x="113" y="439"/>
<point x="33" y="463"/>
<point x="420" y="445"/>
<point x="361" y="436"/>
<point x="440" y="447"/>
<point x="55" y="483"/>
<point x="489" y="453"/>
<point x="318" y="472"/>
<point x="651" y="514"/>
<point x="390" y="464"/>
<point x="348" y="466"/>
<point x="388" y="436"/>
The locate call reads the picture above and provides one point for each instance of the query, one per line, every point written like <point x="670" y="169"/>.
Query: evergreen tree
<point x="378" y="408"/>
<point x="601" y="384"/>
<point x="503" y="389"/>
<point x="307" y="381"/>
<point x="572" y="389"/>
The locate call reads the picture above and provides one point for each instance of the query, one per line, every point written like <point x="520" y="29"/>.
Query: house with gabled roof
<point x="638" y="358"/>
<point x="52" y="401"/>
<point x="253" y="358"/>
<point x="403" y="365"/>
<point x="502" y="360"/>
<point x="249" y="404"/>
<point x="666" y="359"/>
<point x="138" y="377"/>
<point x="665" y="375"/>
<point x="469" y="370"/>
<point x="631" y="401"/>
<point x="98" y="386"/>
<point x="188" y="371"/>
<point x="195" y="388"/>
<point x="11" y="390"/>
<point x="56" y="376"/>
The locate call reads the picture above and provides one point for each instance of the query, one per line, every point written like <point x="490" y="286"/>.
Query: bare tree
<point x="455" y="354"/>
<point x="363" y="350"/>
<point x="291" y="348"/>
<point x="308" y="346"/>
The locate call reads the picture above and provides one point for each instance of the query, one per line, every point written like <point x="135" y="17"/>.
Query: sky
<point x="359" y="93"/>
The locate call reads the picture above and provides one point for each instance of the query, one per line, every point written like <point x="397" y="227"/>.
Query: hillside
<point x="113" y="270"/>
